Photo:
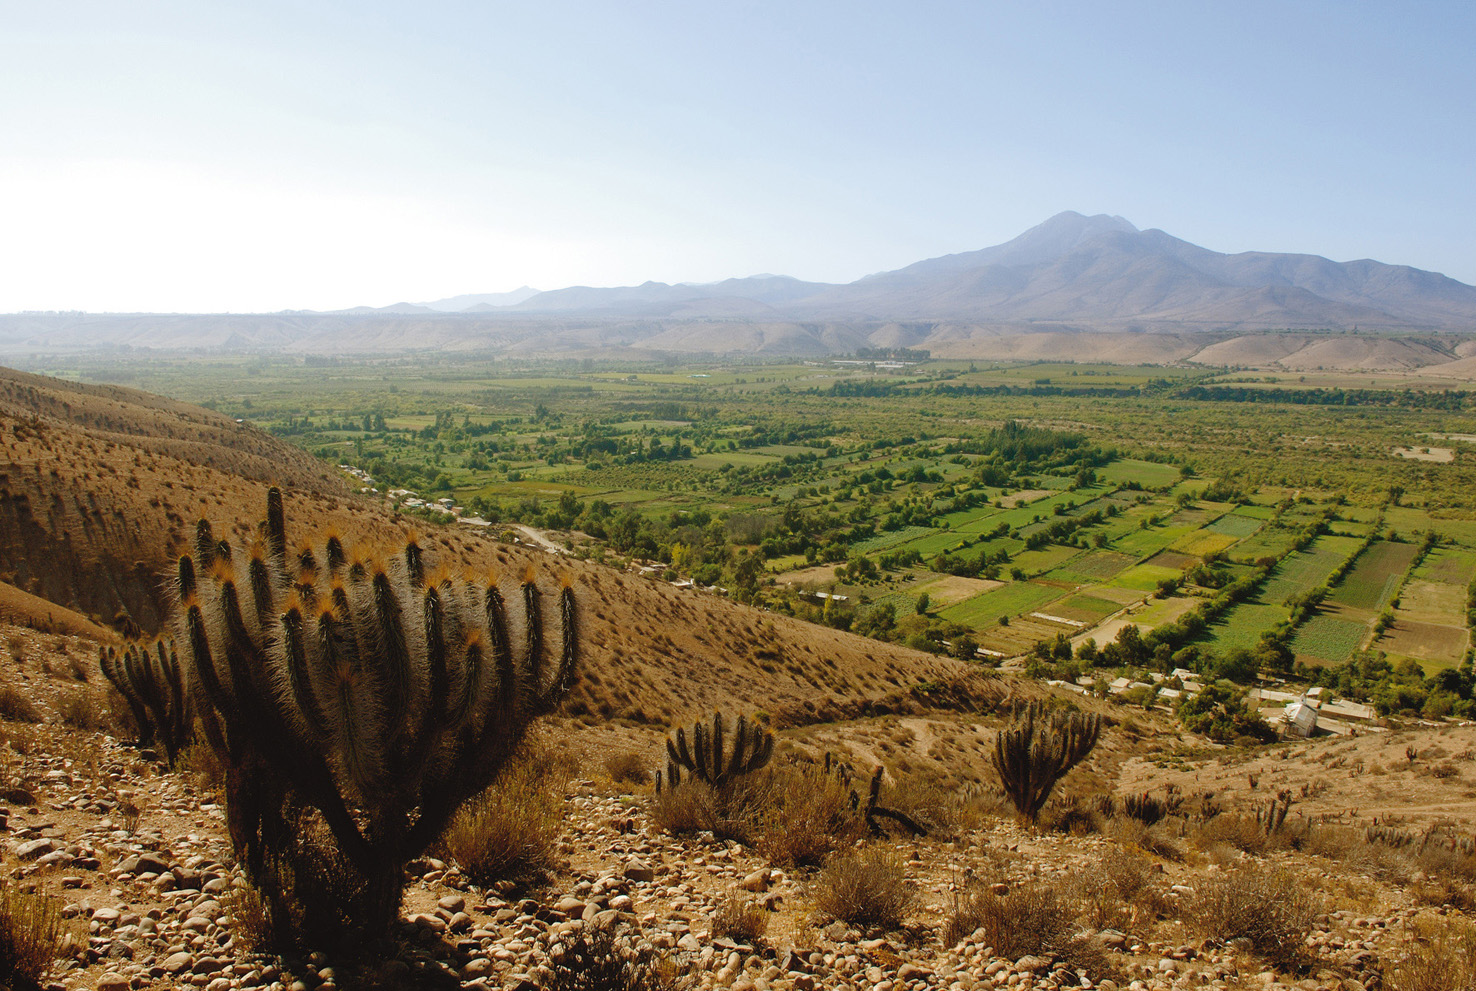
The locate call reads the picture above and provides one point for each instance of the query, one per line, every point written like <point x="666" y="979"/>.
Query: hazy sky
<point x="268" y="155"/>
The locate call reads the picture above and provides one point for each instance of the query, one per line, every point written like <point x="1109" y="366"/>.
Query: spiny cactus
<point x="1035" y="751"/>
<point x="752" y="747"/>
<point x="149" y="680"/>
<point x="1270" y="818"/>
<point x="379" y="693"/>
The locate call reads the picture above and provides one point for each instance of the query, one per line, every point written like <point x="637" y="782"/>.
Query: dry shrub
<point x="932" y="806"/>
<point x="1269" y="908"/>
<point x="511" y="830"/>
<point x="1438" y="954"/>
<point x="17" y="706"/>
<point x="732" y="811"/>
<point x="1030" y="920"/>
<point x="809" y="817"/>
<point x="1241" y="832"/>
<point x="740" y="919"/>
<point x="1159" y="840"/>
<point x="627" y="768"/>
<point x="1068" y="815"/>
<point x="597" y="960"/>
<point x="250" y="917"/>
<point x="83" y="710"/>
<point x="30" y="937"/>
<point x="866" y="887"/>
<point x="201" y="764"/>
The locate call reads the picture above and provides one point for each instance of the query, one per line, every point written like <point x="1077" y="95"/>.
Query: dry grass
<point x="627" y="768"/>
<point x="741" y="920"/>
<point x="1439" y="954"/>
<point x="510" y="831"/>
<point x="82" y="709"/>
<point x="17" y="706"/>
<point x="250" y="918"/>
<point x="30" y="934"/>
<point x="734" y="811"/>
<point x="1269" y="908"/>
<point x="810" y="816"/>
<point x="866" y="887"/>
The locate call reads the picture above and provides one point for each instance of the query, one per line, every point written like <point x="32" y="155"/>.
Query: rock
<point x="912" y="972"/>
<point x="113" y="982"/>
<point x="177" y="962"/>
<point x="639" y="872"/>
<point x="476" y="967"/>
<point x="1033" y="964"/>
<point x="453" y="904"/>
<point x="757" y="881"/>
<point x="1000" y="889"/>
<point x="33" y="849"/>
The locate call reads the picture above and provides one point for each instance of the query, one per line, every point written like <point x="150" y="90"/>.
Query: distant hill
<point x="1070" y="276"/>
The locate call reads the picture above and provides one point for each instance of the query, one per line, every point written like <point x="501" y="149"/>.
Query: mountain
<point x="480" y="302"/>
<point x="1074" y="276"/>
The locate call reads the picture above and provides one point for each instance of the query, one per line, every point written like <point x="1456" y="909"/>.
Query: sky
<point x="211" y="157"/>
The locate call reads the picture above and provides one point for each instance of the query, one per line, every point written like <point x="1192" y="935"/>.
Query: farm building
<point x="1300" y="719"/>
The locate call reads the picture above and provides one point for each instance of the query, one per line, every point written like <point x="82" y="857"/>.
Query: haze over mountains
<point x="1071" y="275"/>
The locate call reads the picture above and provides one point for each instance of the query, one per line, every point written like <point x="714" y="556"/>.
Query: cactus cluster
<point x="148" y="678"/>
<point x="365" y="687"/>
<point x="1036" y="750"/>
<point x="707" y="758"/>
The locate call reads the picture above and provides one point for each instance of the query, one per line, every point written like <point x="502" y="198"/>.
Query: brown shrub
<point x="1437" y="955"/>
<point x="85" y="711"/>
<point x="17" y="706"/>
<point x="740" y="919"/>
<point x="597" y="960"/>
<point x="627" y="768"/>
<point x="809" y="817"/>
<point x="511" y="830"/>
<point x="731" y="812"/>
<point x="30" y="937"/>
<point x="866" y="887"/>
<point x="250" y="918"/>
<point x="1269" y="908"/>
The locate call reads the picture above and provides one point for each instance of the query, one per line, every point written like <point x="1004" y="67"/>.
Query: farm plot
<point x="1144" y="577"/>
<point x="1269" y="541"/>
<point x="1084" y="609"/>
<point x="892" y="538"/>
<point x="1043" y="560"/>
<point x="1023" y="633"/>
<point x="1327" y="639"/>
<point x="1091" y="567"/>
<point x="1235" y="525"/>
<point x="952" y="589"/>
<point x="1203" y="541"/>
<point x="1450" y="565"/>
<point x="1142" y="543"/>
<point x="1146" y="473"/>
<point x="1374" y="577"/>
<point x="984" y="610"/>
<point x="1306" y="569"/>
<point x="1432" y="602"/>
<point x="1242" y="625"/>
<point x="1442" y="645"/>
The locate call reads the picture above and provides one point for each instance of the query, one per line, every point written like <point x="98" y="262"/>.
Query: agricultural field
<point x="1074" y="490"/>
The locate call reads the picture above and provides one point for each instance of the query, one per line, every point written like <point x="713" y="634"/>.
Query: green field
<point x="1241" y="626"/>
<point x="1304" y="570"/>
<point x="1236" y="525"/>
<point x="1011" y="600"/>
<point x="1329" y="639"/>
<point x="1375" y="576"/>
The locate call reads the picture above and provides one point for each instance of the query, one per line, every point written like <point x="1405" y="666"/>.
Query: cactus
<point x="373" y="690"/>
<point x="1270" y="818"/>
<point x="149" y="681"/>
<point x="751" y="750"/>
<point x="1036" y="751"/>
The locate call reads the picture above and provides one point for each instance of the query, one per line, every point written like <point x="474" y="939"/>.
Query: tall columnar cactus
<point x="1035" y="751"/>
<point x="149" y="679"/>
<point x="376" y="691"/>
<point x="752" y="746"/>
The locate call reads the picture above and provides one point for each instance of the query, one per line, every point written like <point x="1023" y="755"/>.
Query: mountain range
<point x="1073" y="275"/>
